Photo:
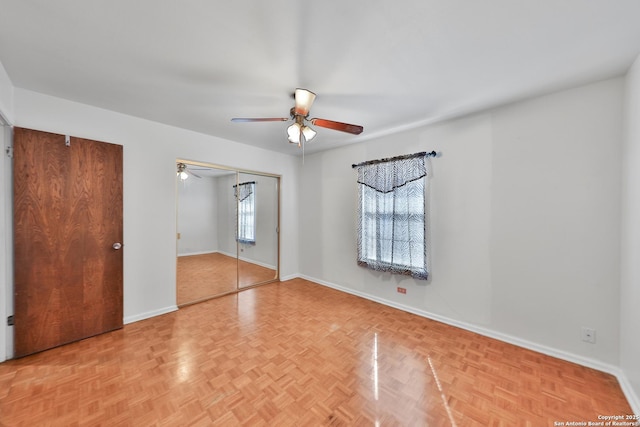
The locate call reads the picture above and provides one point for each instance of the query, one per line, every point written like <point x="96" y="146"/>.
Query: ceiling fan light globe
<point x="304" y="99"/>
<point x="183" y="175"/>
<point x="308" y="133"/>
<point x="294" y="133"/>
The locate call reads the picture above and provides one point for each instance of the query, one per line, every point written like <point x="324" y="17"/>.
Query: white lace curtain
<point x="392" y="226"/>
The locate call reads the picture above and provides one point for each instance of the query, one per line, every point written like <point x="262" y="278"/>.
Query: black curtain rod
<point x="406" y="156"/>
<point x="245" y="183"/>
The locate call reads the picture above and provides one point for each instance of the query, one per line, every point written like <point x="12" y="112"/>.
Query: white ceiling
<point x="385" y="65"/>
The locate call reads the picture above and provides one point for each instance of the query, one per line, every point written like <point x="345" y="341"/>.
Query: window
<point x="246" y="196"/>
<point x="391" y="214"/>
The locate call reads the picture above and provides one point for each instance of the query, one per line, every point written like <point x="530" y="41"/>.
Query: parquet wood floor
<point x="200" y="277"/>
<point x="298" y="354"/>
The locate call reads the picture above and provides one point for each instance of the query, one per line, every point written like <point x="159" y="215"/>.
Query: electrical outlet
<point x="402" y="290"/>
<point x="588" y="335"/>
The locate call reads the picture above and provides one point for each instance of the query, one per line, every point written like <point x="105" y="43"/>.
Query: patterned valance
<point x="385" y="175"/>
<point x="245" y="190"/>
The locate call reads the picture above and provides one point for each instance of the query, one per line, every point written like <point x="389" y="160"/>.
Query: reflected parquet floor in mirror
<point x="298" y="354"/>
<point x="201" y="277"/>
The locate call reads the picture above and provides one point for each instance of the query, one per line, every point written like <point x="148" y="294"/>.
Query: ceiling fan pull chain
<point x="303" y="141"/>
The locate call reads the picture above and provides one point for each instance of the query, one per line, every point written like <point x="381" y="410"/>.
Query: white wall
<point x="197" y="216"/>
<point x="150" y="153"/>
<point x="6" y="244"/>
<point x="630" y="264"/>
<point x="6" y="95"/>
<point x="555" y="226"/>
<point x="6" y="275"/>
<point x="525" y="208"/>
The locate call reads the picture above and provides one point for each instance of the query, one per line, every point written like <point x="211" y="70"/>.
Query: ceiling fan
<point x="299" y="133"/>
<point x="183" y="172"/>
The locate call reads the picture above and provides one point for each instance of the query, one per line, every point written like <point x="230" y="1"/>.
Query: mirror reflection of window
<point x="245" y="193"/>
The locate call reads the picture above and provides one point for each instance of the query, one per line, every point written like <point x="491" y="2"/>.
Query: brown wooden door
<point x="67" y="217"/>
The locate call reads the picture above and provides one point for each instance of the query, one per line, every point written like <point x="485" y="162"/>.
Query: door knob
<point x="117" y="245"/>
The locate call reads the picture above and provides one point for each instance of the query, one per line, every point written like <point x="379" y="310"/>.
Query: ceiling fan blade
<point x="304" y="98"/>
<point x="191" y="173"/>
<point x="263" y="119"/>
<point x="343" y="127"/>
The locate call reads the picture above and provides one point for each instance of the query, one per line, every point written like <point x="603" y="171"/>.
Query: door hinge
<point x="10" y="321"/>
<point x="9" y="151"/>
<point x="67" y="140"/>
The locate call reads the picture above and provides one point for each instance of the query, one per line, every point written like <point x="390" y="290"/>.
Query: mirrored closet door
<point x="257" y="216"/>
<point x="228" y="223"/>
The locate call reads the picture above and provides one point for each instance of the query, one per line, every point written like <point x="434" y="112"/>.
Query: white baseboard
<point x="149" y="314"/>
<point x="196" y="253"/>
<point x="625" y="385"/>
<point x="261" y="264"/>
<point x="229" y="254"/>
<point x="252" y="261"/>
<point x="629" y="392"/>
